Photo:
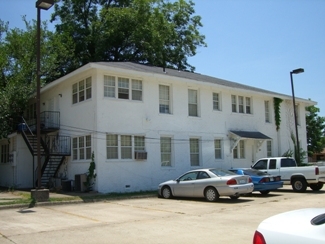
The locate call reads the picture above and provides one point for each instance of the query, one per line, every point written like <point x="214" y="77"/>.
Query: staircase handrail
<point x="25" y="123"/>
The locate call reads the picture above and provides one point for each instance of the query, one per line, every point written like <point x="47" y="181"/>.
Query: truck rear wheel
<point x="299" y="184"/>
<point x="316" y="186"/>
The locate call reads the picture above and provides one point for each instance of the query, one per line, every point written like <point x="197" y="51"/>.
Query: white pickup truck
<point x="298" y="177"/>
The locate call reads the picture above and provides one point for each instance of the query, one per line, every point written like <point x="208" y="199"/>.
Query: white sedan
<point x="208" y="183"/>
<point x="301" y="226"/>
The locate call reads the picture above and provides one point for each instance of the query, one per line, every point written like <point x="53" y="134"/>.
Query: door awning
<point x="237" y="135"/>
<point x="250" y="134"/>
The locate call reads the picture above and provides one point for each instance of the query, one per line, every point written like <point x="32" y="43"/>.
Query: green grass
<point x="25" y="197"/>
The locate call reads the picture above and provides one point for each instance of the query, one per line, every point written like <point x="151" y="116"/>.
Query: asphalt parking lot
<point x="151" y="220"/>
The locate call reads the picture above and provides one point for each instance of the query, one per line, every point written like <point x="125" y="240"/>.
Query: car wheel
<point x="166" y="192"/>
<point x="299" y="185"/>
<point x="264" y="192"/>
<point x="234" y="197"/>
<point x="211" y="194"/>
<point x="316" y="186"/>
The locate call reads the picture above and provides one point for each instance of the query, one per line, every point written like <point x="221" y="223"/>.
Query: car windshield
<point x="253" y="172"/>
<point x="221" y="172"/>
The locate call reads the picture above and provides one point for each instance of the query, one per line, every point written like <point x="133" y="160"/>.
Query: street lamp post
<point x="45" y="5"/>
<point x="295" y="71"/>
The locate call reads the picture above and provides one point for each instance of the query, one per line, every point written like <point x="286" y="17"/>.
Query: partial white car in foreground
<point x="208" y="183"/>
<point x="303" y="226"/>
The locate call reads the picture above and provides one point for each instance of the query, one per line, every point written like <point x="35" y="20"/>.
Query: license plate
<point x="271" y="179"/>
<point x="242" y="181"/>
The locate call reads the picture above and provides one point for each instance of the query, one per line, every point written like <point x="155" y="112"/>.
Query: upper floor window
<point x="81" y="90"/>
<point x="216" y="101"/>
<point x="124" y="88"/>
<point x="192" y="103"/>
<point x="240" y="104"/>
<point x="218" y="148"/>
<point x="194" y="152"/>
<point x="81" y="148"/>
<point x="166" y="151"/>
<point x="243" y="106"/>
<point x="233" y="103"/>
<point x="164" y="99"/>
<point x="267" y="111"/>
<point x="109" y="86"/>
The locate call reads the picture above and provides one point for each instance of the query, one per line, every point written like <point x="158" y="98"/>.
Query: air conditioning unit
<point x="140" y="155"/>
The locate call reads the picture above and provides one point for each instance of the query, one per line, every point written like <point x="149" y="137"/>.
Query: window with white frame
<point x="109" y="86"/>
<point x="218" y="149"/>
<point x="125" y="88"/>
<point x="164" y="99"/>
<point x="81" y="90"/>
<point x="269" y="148"/>
<point x="139" y="143"/>
<point x="166" y="151"/>
<point x="112" y="146"/>
<point x="81" y="148"/>
<point x="239" y="150"/>
<point x="233" y="103"/>
<point x="216" y="101"/>
<point x="248" y="105"/>
<point x="192" y="103"/>
<point x="240" y="104"/>
<point x="136" y="90"/>
<point x="244" y="104"/>
<point x="194" y="152"/>
<point x="267" y="111"/>
<point x="126" y="147"/>
<point x="123" y="146"/>
<point x="4" y="153"/>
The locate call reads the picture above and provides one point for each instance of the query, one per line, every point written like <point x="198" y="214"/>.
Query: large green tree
<point x="155" y="32"/>
<point x="315" y="131"/>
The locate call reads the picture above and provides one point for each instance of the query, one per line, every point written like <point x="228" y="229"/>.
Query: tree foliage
<point x="18" y="68"/>
<point x="315" y="131"/>
<point x="155" y="32"/>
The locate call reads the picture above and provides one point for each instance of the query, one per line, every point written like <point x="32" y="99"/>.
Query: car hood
<point x="168" y="182"/>
<point x="296" y="224"/>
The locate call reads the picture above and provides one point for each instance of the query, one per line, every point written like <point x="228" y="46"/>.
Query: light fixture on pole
<point x="295" y="71"/>
<point x="40" y="4"/>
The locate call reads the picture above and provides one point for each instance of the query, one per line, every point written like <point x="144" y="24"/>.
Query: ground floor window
<point x="124" y="146"/>
<point x="195" y="152"/>
<point x="81" y="147"/>
<point x="166" y="151"/>
<point x="218" y="149"/>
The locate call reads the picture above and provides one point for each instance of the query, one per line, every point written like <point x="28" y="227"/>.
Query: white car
<point x="301" y="226"/>
<point x="208" y="183"/>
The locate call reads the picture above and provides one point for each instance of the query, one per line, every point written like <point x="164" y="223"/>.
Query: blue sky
<point x="253" y="42"/>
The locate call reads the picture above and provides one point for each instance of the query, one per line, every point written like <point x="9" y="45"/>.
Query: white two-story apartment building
<point x="145" y="125"/>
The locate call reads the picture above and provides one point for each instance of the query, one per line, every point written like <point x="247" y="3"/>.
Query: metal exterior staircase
<point x="51" y="159"/>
